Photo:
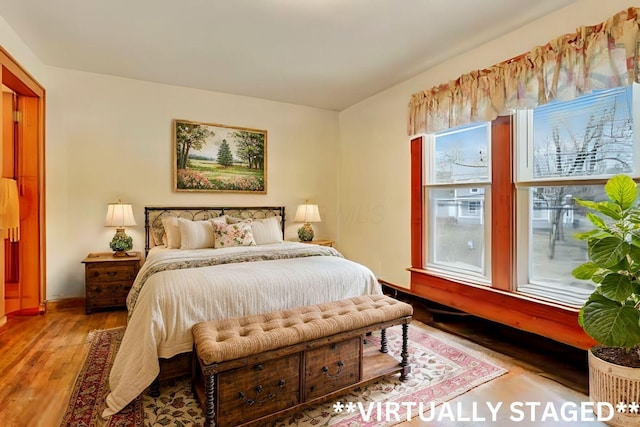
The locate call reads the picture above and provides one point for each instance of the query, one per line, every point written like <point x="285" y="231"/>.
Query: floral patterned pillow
<point x="228" y="235"/>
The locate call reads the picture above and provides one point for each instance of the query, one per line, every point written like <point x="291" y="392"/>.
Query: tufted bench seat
<point x="275" y="362"/>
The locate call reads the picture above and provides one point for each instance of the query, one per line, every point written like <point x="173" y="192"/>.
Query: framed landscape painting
<point x="218" y="158"/>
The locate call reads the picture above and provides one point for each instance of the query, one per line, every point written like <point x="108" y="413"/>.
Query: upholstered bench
<point x="250" y="369"/>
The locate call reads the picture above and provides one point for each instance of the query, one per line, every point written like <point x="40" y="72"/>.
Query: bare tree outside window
<point x="590" y="136"/>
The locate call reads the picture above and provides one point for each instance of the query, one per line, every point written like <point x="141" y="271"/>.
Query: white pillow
<point x="229" y="235"/>
<point x="267" y="230"/>
<point x="172" y="232"/>
<point x="195" y="234"/>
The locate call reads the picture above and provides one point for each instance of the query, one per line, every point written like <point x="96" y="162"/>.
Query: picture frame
<point x="210" y="157"/>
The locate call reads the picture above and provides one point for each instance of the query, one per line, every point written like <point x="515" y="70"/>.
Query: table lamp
<point x="120" y="215"/>
<point x="307" y="214"/>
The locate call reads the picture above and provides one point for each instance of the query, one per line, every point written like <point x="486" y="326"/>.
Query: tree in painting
<point x="250" y="148"/>
<point x="225" y="158"/>
<point x="189" y="136"/>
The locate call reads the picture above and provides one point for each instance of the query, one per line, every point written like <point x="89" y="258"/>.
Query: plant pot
<point x="614" y="384"/>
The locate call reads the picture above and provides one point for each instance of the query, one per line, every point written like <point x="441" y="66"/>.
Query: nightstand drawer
<point x="110" y="272"/>
<point x="108" y="290"/>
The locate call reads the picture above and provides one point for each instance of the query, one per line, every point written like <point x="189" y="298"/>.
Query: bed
<point x="207" y="263"/>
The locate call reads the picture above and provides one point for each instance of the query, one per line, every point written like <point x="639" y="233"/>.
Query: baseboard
<point x="60" y="304"/>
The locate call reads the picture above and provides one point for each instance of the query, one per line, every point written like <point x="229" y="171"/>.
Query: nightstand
<point x="108" y="279"/>
<point x="321" y="242"/>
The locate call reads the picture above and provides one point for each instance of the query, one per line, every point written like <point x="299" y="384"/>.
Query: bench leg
<point x="383" y="341"/>
<point x="154" y="388"/>
<point x="405" y="353"/>
<point x="209" y="414"/>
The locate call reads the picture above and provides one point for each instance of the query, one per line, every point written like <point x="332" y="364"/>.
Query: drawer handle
<point x="258" y="367"/>
<point x="111" y="273"/>
<point x="338" y="372"/>
<point x="259" y="389"/>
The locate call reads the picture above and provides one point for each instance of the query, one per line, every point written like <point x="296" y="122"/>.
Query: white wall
<point x="375" y="200"/>
<point x="110" y="138"/>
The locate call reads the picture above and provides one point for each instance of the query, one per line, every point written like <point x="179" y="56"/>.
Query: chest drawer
<point x="332" y="367"/>
<point x="117" y="290"/>
<point x="110" y="272"/>
<point x="251" y="392"/>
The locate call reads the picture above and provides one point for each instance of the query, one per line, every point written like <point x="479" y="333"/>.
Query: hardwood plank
<point x="40" y="359"/>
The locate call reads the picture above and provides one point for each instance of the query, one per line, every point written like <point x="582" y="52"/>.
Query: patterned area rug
<point x="441" y="370"/>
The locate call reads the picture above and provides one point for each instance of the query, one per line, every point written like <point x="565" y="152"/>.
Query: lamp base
<point x="305" y="233"/>
<point x="121" y="243"/>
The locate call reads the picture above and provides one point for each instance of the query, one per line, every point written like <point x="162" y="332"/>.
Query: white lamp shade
<point x="307" y="213"/>
<point x="119" y="215"/>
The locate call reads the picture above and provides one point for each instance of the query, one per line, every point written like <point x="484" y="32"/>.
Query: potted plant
<point x="611" y="314"/>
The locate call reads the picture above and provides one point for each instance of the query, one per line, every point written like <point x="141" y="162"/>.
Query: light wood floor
<point x="40" y="357"/>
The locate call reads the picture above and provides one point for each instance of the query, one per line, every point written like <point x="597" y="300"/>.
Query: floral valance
<point x="595" y="57"/>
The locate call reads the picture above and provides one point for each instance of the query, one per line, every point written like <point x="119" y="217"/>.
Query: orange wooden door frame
<point x="30" y="174"/>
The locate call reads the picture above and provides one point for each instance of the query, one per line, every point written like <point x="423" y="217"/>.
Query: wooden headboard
<point x="153" y="217"/>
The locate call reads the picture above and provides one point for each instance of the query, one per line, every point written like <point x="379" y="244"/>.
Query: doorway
<point x="22" y="263"/>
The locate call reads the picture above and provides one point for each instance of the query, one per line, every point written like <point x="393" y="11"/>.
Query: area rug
<point x="441" y="370"/>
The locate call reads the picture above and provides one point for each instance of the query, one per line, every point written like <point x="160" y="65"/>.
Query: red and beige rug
<point x="441" y="370"/>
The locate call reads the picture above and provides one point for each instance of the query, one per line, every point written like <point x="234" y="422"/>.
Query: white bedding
<point x="172" y="301"/>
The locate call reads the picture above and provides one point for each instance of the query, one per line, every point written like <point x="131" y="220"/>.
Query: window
<point x="570" y="149"/>
<point x="533" y="173"/>
<point x="457" y="193"/>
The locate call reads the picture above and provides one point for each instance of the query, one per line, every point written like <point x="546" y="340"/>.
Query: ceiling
<point x="322" y="53"/>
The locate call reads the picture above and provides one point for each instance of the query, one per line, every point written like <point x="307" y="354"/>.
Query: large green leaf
<point x="634" y="251"/>
<point x="622" y="190"/>
<point x="596" y="233"/>
<point x="585" y="271"/>
<point x="611" y="323"/>
<point x="616" y="287"/>
<point x="607" y="252"/>
<point x="610" y="209"/>
<point x="597" y="221"/>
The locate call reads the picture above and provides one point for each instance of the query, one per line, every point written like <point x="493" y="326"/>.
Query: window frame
<point x="497" y="302"/>
<point x="433" y="183"/>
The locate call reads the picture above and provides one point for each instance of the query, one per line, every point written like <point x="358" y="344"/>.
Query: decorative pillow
<point x="195" y="234"/>
<point x="267" y="230"/>
<point x="172" y="231"/>
<point x="233" y="219"/>
<point x="228" y="235"/>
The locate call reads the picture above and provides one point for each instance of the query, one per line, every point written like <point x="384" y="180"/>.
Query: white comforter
<point x="172" y="301"/>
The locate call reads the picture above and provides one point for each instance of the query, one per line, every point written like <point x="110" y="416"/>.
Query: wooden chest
<point x="248" y="370"/>
<point x="252" y="390"/>
<point x="108" y="279"/>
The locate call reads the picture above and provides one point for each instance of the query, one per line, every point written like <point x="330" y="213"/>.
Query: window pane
<point x="554" y="219"/>
<point x="591" y="135"/>
<point x="456" y="230"/>
<point x="461" y="155"/>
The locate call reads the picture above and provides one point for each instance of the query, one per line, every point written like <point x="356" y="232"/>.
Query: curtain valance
<point x="595" y="57"/>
